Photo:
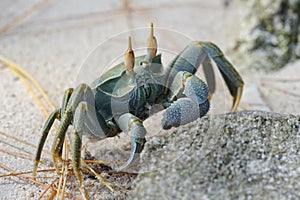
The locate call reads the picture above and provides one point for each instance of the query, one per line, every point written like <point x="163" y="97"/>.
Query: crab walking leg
<point x="76" y="156"/>
<point x="232" y="78"/>
<point x="132" y="124"/>
<point x="59" y="139"/>
<point x="85" y="122"/>
<point x="192" y="103"/>
<point x="70" y="100"/>
<point x="80" y="113"/>
<point x="209" y="76"/>
<point x="66" y="99"/>
<point x="48" y="124"/>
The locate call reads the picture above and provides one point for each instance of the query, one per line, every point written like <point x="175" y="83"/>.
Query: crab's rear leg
<point x="48" y="124"/>
<point x="80" y="111"/>
<point x="79" y="128"/>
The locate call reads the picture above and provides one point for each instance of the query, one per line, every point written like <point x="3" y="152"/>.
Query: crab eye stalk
<point x="129" y="56"/>
<point x="151" y="44"/>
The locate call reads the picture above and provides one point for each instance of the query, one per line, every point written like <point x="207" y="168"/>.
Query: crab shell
<point x="114" y="89"/>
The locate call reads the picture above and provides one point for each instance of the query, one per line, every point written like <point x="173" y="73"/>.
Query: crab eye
<point x="129" y="56"/>
<point x="151" y="44"/>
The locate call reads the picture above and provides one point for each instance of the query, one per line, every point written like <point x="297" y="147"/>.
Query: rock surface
<point x="245" y="155"/>
<point x="270" y="35"/>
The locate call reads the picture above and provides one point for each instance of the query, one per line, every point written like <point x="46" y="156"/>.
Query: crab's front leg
<point x="133" y="125"/>
<point x="192" y="100"/>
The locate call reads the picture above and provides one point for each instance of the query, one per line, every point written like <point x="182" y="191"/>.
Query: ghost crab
<point x="122" y="98"/>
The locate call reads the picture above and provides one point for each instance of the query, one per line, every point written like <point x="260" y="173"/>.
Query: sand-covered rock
<point x="245" y="155"/>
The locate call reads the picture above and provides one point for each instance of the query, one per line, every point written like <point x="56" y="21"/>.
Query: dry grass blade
<point x="17" y="139"/>
<point x="84" y="193"/>
<point x="22" y="15"/>
<point x="47" y="188"/>
<point x="22" y="74"/>
<point x="25" y="155"/>
<point x="97" y="175"/>
<point x="63" y="176"/>
<point x="22" y="173"/>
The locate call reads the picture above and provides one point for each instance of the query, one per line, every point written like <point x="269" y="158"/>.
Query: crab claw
<point x="133" y="125"/>
<point x="129" y="56"/>
<point x="151" y="44"/>
<point x="137" y="145"/>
